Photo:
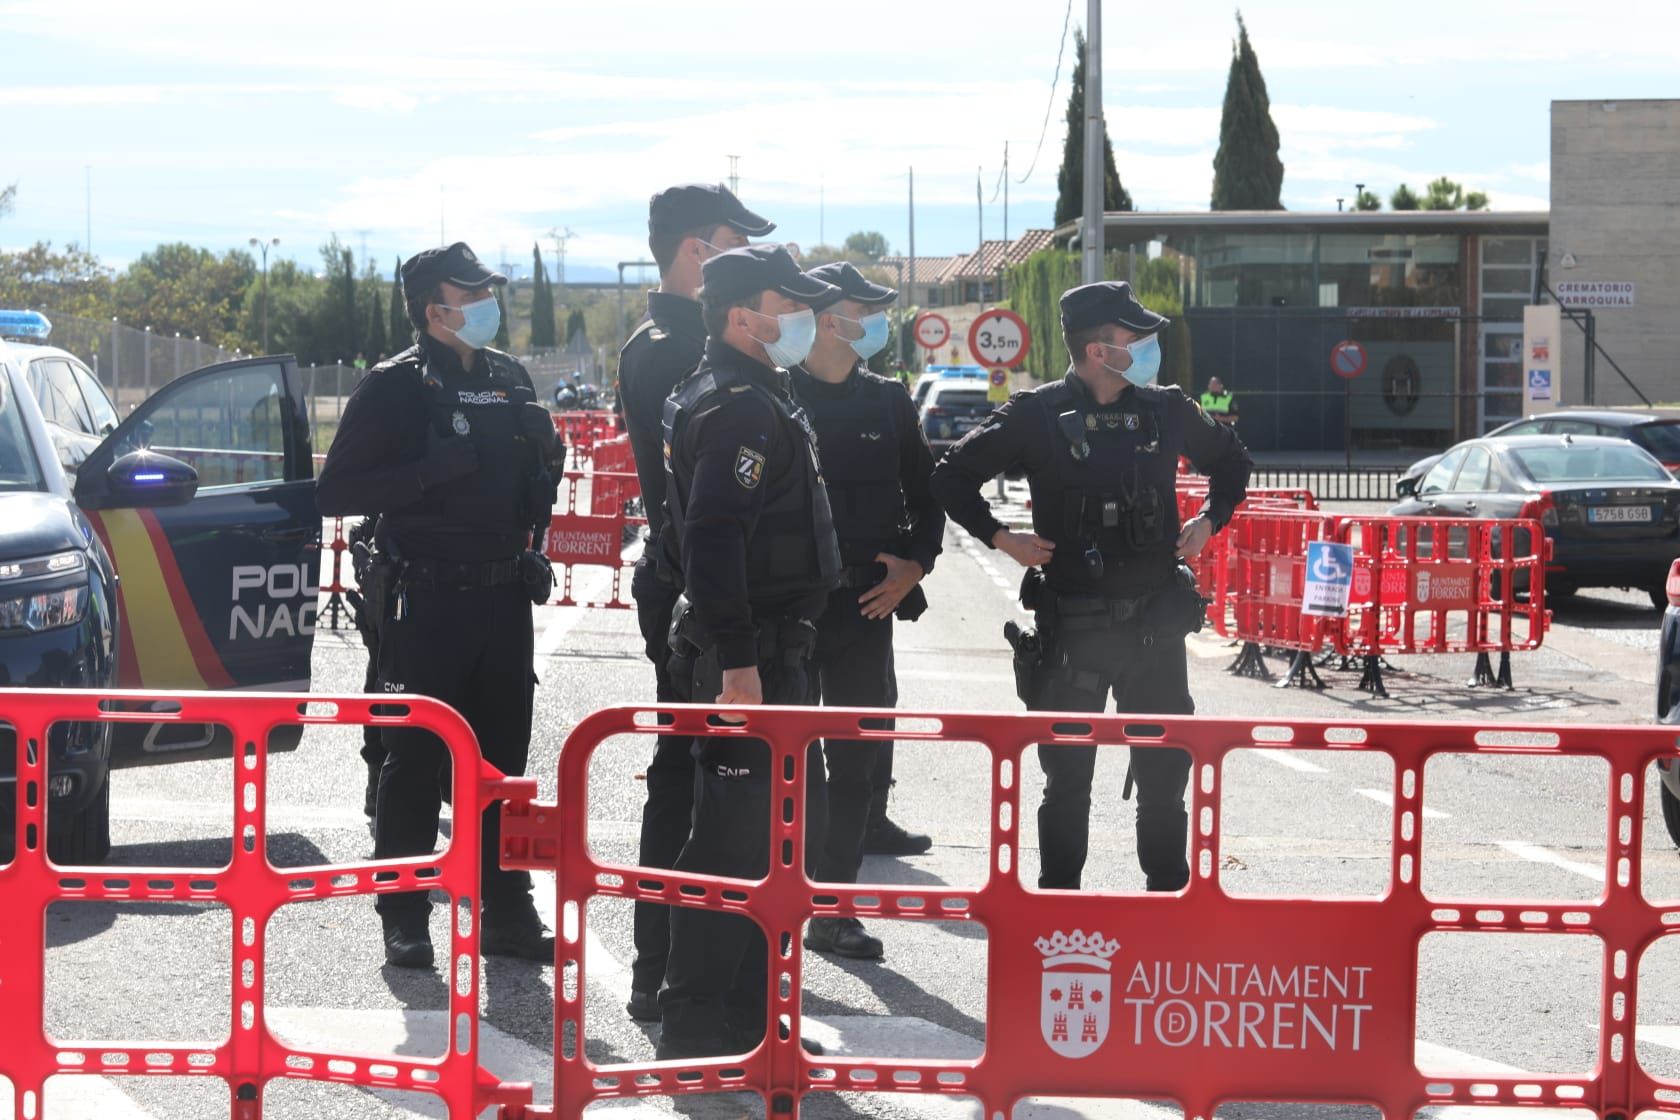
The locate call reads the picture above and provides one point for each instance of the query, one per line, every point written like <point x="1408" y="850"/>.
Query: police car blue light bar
<point x="25" y="326"/>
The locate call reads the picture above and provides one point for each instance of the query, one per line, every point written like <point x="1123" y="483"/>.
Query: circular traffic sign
<point x="999" y="338"/>
<point x="933" y="330"/>
<point x="1347" y="359"/>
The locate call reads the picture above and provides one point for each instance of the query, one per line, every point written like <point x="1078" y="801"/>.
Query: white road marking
<point x="1386" y="797"/>
<point x="77" y="1096"/>
<point x="1284" y="758"/>
<point x="1538" y="854"/>
<point x="281" y="818"/>
<point x="1445" y="1062"/>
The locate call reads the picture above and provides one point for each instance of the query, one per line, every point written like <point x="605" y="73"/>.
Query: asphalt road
<point x="1295" y="823"/>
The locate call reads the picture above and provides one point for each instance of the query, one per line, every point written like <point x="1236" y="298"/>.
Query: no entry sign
<point x="999" y="338"/>
<point x="1347" y="359"/>
<point x="933" y="330"/>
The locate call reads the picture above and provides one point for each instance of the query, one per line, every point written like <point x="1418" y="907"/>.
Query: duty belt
<point x="440" y="573"/>
<point x="862" y="575"/>
<point x="1087" y="612"/>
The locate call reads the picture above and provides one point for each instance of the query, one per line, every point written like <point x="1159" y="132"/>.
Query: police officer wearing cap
<point x="1111" y="597"/>
<point x="447" y="444"/>
<point x="687" y="225"/>
<point x="877" y="466"/>
<point x="748" y="526"/>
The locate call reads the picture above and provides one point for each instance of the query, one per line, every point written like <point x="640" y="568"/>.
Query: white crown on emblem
<point x="1077" y="948"/>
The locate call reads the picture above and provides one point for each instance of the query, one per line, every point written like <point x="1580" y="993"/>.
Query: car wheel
<point x="85" y="837"/>
<point x="1671" y="812"/>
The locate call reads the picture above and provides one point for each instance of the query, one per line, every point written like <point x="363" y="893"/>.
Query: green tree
<point x="294" y="296"/>
<point x="501" y="327"/>
<point x="178" y="287"/>
<point x="69" y="281"/>
<point x="1367" y="200"/>
<point x="1442" y="194"/>
<point x="1070" y="180"/>
<point x="866" y="244"/>
<point x="1475" y="200"/>
<point x="576" y="326"/>
<point x="1247" y="173"/>
<point x="8" y="199"/>
<point x="542" y="305"/>
<point x="378" y="347"/>
<point x="398" y="328"/>
<point x="1403" y="199"/>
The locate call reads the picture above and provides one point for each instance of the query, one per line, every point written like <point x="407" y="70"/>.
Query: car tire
<point x="1671" y="812"/>
<point x="85" y="837"/>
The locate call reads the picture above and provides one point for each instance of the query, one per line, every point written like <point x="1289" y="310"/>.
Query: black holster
<point x="1177" y="610"/>
<point x="537" y="575"/>
<point x="378" y="586"/>
<point x="1028" y="660"/>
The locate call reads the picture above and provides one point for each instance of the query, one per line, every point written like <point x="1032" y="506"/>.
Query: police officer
<point x="1112" y="600"/>
<point x="448" y="445"/>
<point x="748" y="522"/>
<point x="1219" y="404"/>
<point x="687" y="225"/>
<point x="877" y="466"/>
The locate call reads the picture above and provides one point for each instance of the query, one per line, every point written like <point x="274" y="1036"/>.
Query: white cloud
<point x="378" y="99"/>
<point x="43" y="96"/>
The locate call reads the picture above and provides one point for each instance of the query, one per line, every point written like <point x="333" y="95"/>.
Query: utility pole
<point x="912" y="236"/>
<point x="264" y="245"/>
<point x="561" y="235"/>
<point x="364" y="235"/>
<point x="734" y="174"/>
<point x="1091" y="233"/>
<point x="89" y="243"/>
<point x="822" y="209"/>
<point x="1003" y="258"/>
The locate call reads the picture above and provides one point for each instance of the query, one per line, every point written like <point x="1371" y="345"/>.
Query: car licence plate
<point x="1601" y="514"/>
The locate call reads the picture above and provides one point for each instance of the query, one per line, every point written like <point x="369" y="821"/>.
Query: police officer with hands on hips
<point x="748" y="526"/>
<point x="687" y="225"/>
<point x="877" y="466"/>
<point x="1112" y="599"/>
<point x="447" y="444"/>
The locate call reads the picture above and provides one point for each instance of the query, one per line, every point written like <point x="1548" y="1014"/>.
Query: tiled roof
<point x="993" y="255"/>
<point x="928" y="269"/>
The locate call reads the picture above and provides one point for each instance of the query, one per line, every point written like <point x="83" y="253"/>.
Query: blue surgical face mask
<point x="481" y="319"/>
<point x="875" y="330"/>
<point x="1146" y="360"/>
<point x="793" y="344"/>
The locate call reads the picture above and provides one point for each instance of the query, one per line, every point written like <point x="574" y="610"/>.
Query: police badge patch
<point x="1131" y="422"/>
<point x="459" y="423"/>
<point x="749" y="468"/>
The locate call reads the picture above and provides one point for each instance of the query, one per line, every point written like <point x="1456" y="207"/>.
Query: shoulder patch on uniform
<point x="749" y="468"/>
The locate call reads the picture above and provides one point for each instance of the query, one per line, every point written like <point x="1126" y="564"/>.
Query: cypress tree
<point x="542" y="304"/>
<point x="1247" y="173"/>
<point x="502" y="327"/>
<point x="400" y="330"/>
<point x="377" y="348"/>
<point x="1070" y="180"/>
<point x="575" y="326"/>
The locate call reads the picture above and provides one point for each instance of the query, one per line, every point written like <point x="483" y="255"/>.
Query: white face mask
<point x="793" y="344"/>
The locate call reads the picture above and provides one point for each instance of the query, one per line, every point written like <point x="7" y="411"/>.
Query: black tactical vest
<point x="1109" y="491"/>
<point x="487" y="514"/>
<point x="859" y="449"/>
<point x="792" y="551"/>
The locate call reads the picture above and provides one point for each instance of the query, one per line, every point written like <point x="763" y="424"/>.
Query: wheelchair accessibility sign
<point x="1329" y="579"/>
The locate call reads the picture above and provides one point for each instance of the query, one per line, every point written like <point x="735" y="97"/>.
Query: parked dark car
<point x="952" y="410"/>
<point x="1656" y="432"/>
<point x="1611" y="511"/>
<point x="182" y="554"/>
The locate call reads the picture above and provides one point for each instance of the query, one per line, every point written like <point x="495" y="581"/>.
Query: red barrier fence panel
<point x="1272" y="999"/>
<point x="1444" y="585"/>
<point x="595" y="539"/>
<point x="1269" y="554"/>
<point x="252" y="889"/>
<point x="1215" y="566"/>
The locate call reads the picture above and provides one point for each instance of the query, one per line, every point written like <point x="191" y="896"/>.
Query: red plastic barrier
<point x="252" y="890"/>
<point x="594" y="539"/>
<point x="1215" y="576"/>
<point x="614" y="481"/>
<point x="334" y="586"/>
<point x="1269" y="574"/>
<point x="1271" y="999"/>
<point x="583" y="430"/>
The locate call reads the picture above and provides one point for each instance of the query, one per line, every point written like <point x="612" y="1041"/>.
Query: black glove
<point x="447" y="458"/>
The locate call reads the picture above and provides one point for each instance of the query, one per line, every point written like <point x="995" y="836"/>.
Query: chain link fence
<point x="132" y="363"/>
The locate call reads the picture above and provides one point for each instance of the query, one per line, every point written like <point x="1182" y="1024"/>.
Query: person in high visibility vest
<point x="1219" y="404"/>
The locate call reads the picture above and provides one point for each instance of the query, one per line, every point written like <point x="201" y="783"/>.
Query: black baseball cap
<point x="1108" y="301"/>
<point x="742" y="273"/>
<point x="693" y="206"/>
<point x="853" y="285"/>
<point x="454" y="264"/>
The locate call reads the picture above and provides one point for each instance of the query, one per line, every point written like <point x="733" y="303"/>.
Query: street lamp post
<point x="264" y="246"/>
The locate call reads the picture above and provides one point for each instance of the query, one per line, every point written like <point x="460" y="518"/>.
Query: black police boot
<point x="885" y="838"/>
<point x="843" y="937"/>
<point x="408" y="941"/>
<point x="747" y="1031"/>
<point x="516" y="932"/>
<point x="696" y="1028"/>
<point x="643" y="1006"/>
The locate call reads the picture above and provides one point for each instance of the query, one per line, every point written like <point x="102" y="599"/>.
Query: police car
<point x="179" y="554"/>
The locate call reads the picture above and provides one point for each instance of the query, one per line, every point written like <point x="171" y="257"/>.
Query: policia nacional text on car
<point x="1112" y="602"/>
<point x="877" y="465"/>
<point x="687" y="225"/>
<point x="748" y="525"/>
<point x="446" y="443"/>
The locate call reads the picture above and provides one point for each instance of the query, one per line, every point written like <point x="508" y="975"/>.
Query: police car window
<point x="1574" y="428"/>
<point x="69" y="397"/>
<point x="98" y="404"/>
<point x="228" y="427"/>
<point x="1442" y="472"/>
<point x="19" y="469"/>
<point x="1476" y="472"/>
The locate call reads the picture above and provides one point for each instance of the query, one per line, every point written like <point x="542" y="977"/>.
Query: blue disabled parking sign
<point x="1329" y="579"/>
<point x="1539" y="384"/>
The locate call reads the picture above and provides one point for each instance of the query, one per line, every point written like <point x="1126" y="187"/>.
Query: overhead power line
<point x="1044" y="130"/>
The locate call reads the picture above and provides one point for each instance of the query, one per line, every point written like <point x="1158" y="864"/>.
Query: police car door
<point x="220" y="591"/>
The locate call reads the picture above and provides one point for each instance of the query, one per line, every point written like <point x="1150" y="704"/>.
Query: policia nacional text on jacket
<point x="749" y="527"/>
<point x="1112" y="604"/>
<point x="446" y="443"/>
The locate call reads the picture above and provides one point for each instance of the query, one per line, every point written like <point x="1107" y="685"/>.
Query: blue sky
<point x="212" y="122"/>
